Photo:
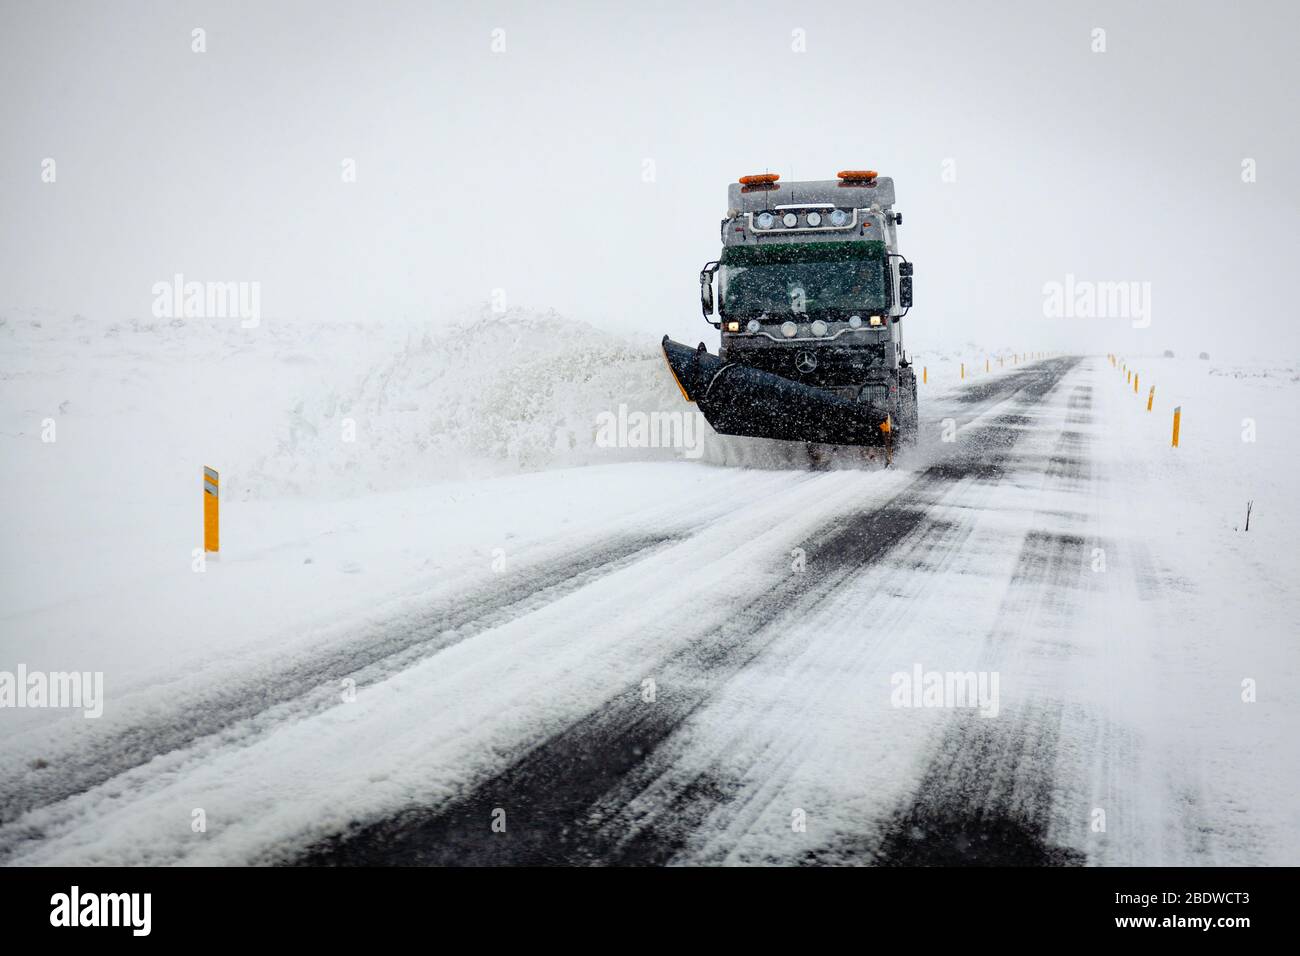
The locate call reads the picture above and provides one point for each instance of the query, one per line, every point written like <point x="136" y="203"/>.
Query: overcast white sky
<point x="523" y="170"/>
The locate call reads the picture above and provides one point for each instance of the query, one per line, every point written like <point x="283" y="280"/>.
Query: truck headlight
<point x="819" y="327"/>
<point x="765" y="220"/>
<point x="789" y="329"/>
<point x="839" y="218"/>
<point x="753" y="325"/>
<point x="855" y="321"/>
<point x="790" y="220"/>
<point x="814" y="219"/>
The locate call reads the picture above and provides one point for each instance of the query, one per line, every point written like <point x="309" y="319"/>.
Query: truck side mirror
<point x="905" y="292"/>
<point x="905" y="268"/>
<point x="706" y="292"/>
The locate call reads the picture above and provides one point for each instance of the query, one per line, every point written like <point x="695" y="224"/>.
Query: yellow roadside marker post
<point x="1178" y="418"/>
<point x="925" y="375"/>
<point x="1151" y="397"/>
<point x="211" y="539"/>
<point x="986" y="365"/>
<point x="1135" y="382"/>
<point x="963" y="370"/>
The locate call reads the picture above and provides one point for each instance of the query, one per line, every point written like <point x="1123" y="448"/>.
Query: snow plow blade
<point x="739" y="400"/>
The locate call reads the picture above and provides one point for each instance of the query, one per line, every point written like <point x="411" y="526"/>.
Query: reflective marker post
<point x="211" y="538"/>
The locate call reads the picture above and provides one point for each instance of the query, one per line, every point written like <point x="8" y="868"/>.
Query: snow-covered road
<point x="716" y="667"/>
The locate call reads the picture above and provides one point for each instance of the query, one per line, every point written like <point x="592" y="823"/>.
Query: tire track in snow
<point x="993" y="795"/>
<point x="546" y="792"/>
<point x="550" y="791"/>
<point x="754" y="784"/>
<point x="717" y="770"/>
<point x="310" y="684"/>
<point x="985" y="800"/>
<point x="989" y="796"/>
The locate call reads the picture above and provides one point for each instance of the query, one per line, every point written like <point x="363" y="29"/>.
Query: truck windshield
<point x="804" y="278"/>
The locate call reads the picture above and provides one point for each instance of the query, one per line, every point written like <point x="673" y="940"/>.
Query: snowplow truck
<point x="810" y="293"/>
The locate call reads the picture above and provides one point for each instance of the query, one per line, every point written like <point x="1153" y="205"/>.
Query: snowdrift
<point x="490" y="394"/>
<point x="336" y="409"/>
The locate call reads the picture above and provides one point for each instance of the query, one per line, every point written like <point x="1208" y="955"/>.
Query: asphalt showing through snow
<point x="310" y="684"/>
<point x="571" y="793"/>
<point x="555" y="789"/>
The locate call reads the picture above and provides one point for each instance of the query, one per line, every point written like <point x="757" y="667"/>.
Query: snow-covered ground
<point x="304" y="423"/>
<point x="471" y="594"/>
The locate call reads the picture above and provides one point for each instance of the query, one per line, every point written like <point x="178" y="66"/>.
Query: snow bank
<point x="332" y="409"/>
<point x="105" y="427"/>
<point x="492" y="394"/>
<point x="335" y="410"/>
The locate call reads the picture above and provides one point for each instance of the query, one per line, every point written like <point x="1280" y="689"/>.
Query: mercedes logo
<point x="805" y="362"/>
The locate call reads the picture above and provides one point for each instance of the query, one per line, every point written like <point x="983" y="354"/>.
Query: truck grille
<point x="875" y="394"/>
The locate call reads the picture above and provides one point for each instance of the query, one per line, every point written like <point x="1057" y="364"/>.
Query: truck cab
<point x="811" y="287"/>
